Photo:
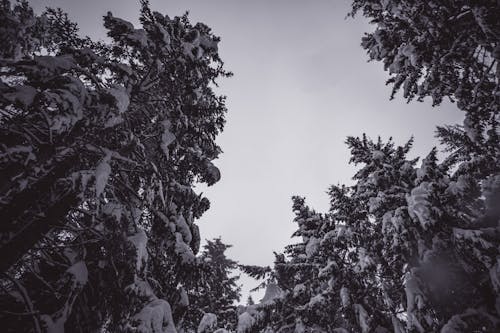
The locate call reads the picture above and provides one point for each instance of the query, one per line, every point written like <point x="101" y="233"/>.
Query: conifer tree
<point x="101" y="146"/>
<point x="405" y="249"/>
<point x="215" y="291"/>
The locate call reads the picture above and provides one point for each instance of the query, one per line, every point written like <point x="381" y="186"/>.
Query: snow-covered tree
<point x="405" y="249"/>
<point x="443" y="49"/>
<point x="215" y="291"/>
<point x="101" y="145"/>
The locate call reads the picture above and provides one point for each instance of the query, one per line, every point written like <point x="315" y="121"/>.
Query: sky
<point x="301" y="85"/>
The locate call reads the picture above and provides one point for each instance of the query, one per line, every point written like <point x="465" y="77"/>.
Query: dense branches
<point x="101" y="145"/>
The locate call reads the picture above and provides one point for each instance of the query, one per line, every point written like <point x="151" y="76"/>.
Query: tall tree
<point x="404" y="249"/>
<point x="216" y="290"/>
<point x="101" y="146"/>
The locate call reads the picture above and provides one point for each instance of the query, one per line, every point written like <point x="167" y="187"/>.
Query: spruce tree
<point x="101" y="146"/>
<point x="215" y="291"/>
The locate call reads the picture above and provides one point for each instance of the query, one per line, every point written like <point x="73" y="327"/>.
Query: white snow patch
<point x="182" y="249"/>
<point x="183" y="228"/>
<point x="345" y="297"/>
<point x="362" y="318"/>
<point x="24" y="95"/>
<point x="312" y="246"/>
<point x="140" y="240"/>
<point x="79" y="272"/>
<point x="121" y="97"/>
<point x="245" y="323"/>
<point x="418" y="204"/>
<point x="167" y="137"/>
<point x="155" y="317"/>
<point x="208" y="323"/>
<point x="102" y="172"/>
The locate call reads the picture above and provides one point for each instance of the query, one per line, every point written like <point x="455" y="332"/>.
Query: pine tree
<point x="216" y="290"/>
<point x="443" y="49"/>
<point x="404" y="249"/>
<point x="101" y="146"/>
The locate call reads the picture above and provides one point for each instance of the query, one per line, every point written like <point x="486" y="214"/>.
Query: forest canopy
<point x="103" y="142"/>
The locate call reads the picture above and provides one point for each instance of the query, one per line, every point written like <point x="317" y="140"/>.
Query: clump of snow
<point x="113" y="209"/>
<point x="397" y="325"/>
<point x="316" y="300"/>
<point x="299" y="289"/>
<point x="362" y="318"/>
<point x="183" y="228"/>
<point x="208" y="323"/>
<point x="55" y="64"/>
<point x="167" y="137"/>
<point x="328" y="269"/>
<point x="79" y="272"/>
<point x="299" y="326"/>
<point x="312" y="246"/>
<point x="24" y="95"/>
<point x="213" y="173"/>
<point x="455" y="325"/>
<point x="155" y="317"/>
<point x="345" y="297"/>
<point x="378" y="155"/>
<point x="418" y="204"/>
<point x="140" y="240"/>
<point x="414" y="300"/>
<point x="182" y="249"/>
<point x="120" y="95"/>
<point x="495" y="275"/>
<point x="245" y="323"/>
<point x="364" y="260"/>
<point x="184" y="301"/>
<point x="102" y="173"/>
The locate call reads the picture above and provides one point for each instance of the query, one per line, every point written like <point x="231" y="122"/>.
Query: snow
<point x="140" y="240"/>
<point x="208" y="43"/>
<point x="182" y="249"/>
<point x="28" y="150"/>
<point x="213" y="172"/>
<point x="24" y="95"/>
<point x="362" y="318"/>
<point x="299" y="326"/>
<point x="495" y="275"/>
<point x="455" y="325"/>
<point x="378" y="155"/>
<point x="364" y="260"/>
<point x="183" y="228"/>
<point x="418" y="204"/>
<point x="316" y="300"/>
<point x="245" y="323"/>
<point x="102" y="172"/>
<point x="344" y="296"/>
<point x="121" y="97"/>
<point x="397" y="325"/>
<point x="184" y="301"/>
<point x="55" y="64"/>
<point x="413" y="299"/>
<point x="299" y="289"/>
<point x="458" y="187"/>
<point x="155" y="317"/>
<point x="167" y="137"/>
<point x="113" y="209"/>
<point x="328" y="269"/>
<point x="312" y="246"/>
<point x="79" y="272"/>
<point x="208" y="323"/>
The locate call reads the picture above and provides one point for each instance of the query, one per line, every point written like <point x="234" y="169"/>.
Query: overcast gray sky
<point x="301" y="85"/>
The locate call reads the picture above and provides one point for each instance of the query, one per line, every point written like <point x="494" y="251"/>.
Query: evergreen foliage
<point x="101" y="146"/>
